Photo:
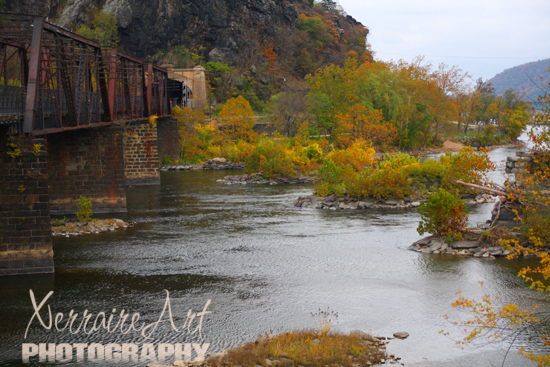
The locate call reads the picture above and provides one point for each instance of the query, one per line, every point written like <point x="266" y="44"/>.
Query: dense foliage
<point x="237" y="120"/>
<point x="408" y="105"/>
<point x="282" y="157"/>
<point x="398" y="175"/>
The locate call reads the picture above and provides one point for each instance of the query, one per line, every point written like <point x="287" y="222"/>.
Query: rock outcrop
<point x="94" y="226"/>
<point x="211" y="164"/>
<point x="334" y="202"/>
<point x="258" y="179"/>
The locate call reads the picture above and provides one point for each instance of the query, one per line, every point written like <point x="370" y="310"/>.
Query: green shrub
<point x="316" y="29"/>
<point x="84" y="212"/>
<point x="101" y="28"/>
<point x="442" y="215"/>
<point x="313" y="152"/>
<point x="430" y="168"/>
<point x="270" y="158"/>
<point x="166" y="160"/>
<point x="399" y="161"/>
<point x="426" y="176"/>
<point x="336" y="179"/>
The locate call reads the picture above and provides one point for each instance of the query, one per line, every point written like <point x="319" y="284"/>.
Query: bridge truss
<point x="53" y="80"/>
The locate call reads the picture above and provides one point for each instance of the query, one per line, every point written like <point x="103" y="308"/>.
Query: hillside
<point x="252" y="47"/>
<point x="529" y="79"/>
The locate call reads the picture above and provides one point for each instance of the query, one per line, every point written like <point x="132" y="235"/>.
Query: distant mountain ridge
<point x="530" y="80"/>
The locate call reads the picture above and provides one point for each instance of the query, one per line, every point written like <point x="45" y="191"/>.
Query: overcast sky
<point x="482" y="37"/>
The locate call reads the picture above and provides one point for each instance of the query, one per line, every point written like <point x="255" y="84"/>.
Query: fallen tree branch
<point x="521" y="199"/>
<point x="482" y="188"/>
<point x="498" y="214"/>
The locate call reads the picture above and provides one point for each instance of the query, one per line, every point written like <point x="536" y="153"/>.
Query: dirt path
<point x="449" y="145"/>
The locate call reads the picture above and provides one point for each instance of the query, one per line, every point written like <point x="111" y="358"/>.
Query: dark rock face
<point x="220" y="26"/>
<point x="223" y="27"/>
<point x="44" y="8"/>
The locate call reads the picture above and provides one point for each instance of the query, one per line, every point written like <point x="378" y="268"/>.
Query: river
<point x="266" y="266"/>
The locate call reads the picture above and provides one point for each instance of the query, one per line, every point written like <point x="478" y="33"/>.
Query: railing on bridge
<point x="53" y="80"/>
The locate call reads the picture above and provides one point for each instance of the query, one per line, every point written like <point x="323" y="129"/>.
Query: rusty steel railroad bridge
<point x="74" y="120"/>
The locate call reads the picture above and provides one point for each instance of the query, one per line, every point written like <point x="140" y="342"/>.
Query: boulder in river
<point x="401" y="335"/>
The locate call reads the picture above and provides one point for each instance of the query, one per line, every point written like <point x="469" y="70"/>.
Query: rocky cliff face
<point x="222" y="27"/>
<point x="263" y="46"/>
<point x="148" y="26"/>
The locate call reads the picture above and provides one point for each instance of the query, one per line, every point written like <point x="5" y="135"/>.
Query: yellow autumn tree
<point x="237" y="119"/>
<point x="187" y="119"/>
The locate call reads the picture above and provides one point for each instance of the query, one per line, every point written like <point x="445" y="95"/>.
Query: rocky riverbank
<point x="258" y="179"/>
<point x="478" y="244"/>
<point x="374" y="353"/>
<point x="211" y="164"/>
<point x="334" y="202"/>
<point x="70" y="228"/>
<point x="471" y="245"/>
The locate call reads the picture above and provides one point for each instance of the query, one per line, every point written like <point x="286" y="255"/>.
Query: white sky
<point x="482" y="37"/>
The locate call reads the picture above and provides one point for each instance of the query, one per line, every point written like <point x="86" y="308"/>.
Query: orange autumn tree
<point x="359" y="123"/>
<point x="237" y="119"/>
<point x="270" y="56"/>
<point x="431" y="99"/>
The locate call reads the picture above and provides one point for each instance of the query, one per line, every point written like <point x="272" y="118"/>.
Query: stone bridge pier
<point x="89" y="163"/>
<point x="25" y="223"/>
<point x="46" y="176"/>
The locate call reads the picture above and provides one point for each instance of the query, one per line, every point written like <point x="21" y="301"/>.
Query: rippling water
<point x="266" y="266"/>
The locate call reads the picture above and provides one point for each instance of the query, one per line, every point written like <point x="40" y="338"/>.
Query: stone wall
<point x="87" y="162"/>
<point x="168" y="138"/>
<point x="25" y="225"/>
<point x="141" y="159"/>
<point x="517" y="163"/>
